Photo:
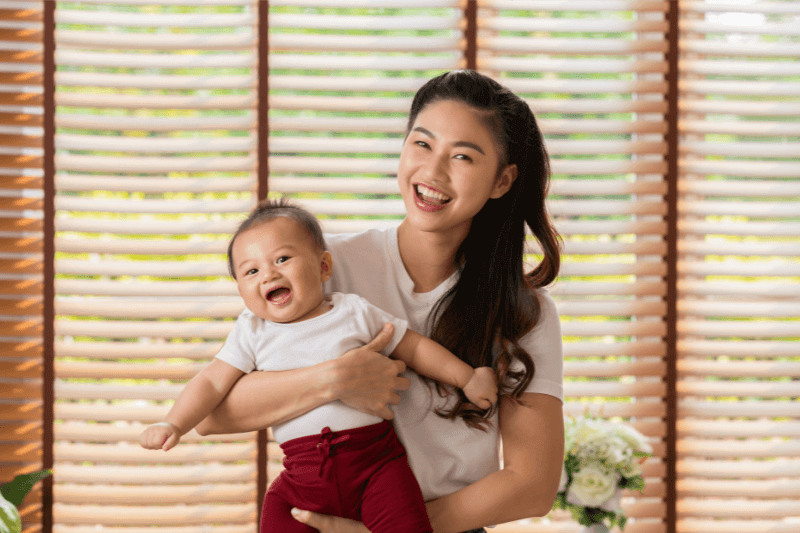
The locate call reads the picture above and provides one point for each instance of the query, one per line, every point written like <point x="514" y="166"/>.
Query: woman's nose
<point x="436" y="169"/>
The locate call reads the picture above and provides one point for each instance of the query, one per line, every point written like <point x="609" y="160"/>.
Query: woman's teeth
<point x="431" y="196"/>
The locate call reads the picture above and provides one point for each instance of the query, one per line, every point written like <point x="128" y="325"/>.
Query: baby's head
<point x="279" y="260"/>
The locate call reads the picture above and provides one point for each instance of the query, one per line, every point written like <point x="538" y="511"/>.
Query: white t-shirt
<point x="258" y="344"/>
<point x="445" y="455"/>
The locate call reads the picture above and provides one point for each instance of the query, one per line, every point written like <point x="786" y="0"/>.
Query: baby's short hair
<point x="268" y="210"/>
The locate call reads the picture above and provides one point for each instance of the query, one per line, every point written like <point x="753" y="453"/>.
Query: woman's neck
<point x="429" y="257"/>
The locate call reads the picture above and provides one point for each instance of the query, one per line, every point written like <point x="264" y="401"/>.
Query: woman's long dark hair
<point x="493" y="305"/>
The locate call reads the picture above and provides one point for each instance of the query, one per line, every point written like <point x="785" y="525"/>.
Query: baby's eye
<point x="282" y="259"/>
<point x="251" y="271"/>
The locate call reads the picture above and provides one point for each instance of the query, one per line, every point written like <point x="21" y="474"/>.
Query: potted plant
<point x="11" y="496"/>
<point x="601" y="459"/>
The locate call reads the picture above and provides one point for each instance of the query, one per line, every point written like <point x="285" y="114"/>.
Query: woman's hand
<point x="367" y="380"/>
<point x="328" y="524"/>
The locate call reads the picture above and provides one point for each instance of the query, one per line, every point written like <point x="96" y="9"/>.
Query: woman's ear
<point x="326" y="266"/>
<point x="504" y="181"/>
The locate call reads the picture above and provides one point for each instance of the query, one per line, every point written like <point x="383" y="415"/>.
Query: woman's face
<point x="448" y="168"/>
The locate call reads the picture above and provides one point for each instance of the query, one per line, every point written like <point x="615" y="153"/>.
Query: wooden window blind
<point x="594" y="74"/>
<point x="155" y="163"/>
<point x="739" y="241"/>
<point x="21" y="242"/>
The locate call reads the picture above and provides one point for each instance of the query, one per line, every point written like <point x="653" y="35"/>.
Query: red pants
<point x="360" y="473"/>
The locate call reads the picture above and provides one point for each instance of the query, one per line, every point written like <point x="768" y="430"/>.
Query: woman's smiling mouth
<point x="430" y="196"/>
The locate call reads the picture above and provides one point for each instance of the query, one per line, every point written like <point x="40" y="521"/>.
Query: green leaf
<point x="10" y="521"/>
<point x="16" y="491"/>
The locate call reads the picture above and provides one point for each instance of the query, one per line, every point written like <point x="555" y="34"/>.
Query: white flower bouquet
<point x="601" y="459"/>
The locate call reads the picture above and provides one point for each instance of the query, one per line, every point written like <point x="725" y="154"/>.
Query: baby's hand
<point x="161" y="436"/>
<point x="482" y="388"/>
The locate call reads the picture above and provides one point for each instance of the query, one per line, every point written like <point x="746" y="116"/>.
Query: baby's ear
<point x="326" y="266"/>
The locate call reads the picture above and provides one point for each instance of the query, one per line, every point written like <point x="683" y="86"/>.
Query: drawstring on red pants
<point x="325" y="446"/>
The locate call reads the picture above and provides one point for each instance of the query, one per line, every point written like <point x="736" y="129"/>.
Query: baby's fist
<point x="161" y="436"/>
<point x="482" y="388"/>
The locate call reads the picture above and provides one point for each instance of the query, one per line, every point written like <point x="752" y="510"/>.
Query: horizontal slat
<point x="757" y="6"/>
<point x="131" y="453"/>
<point x="738" y="149"/>
<point x="361" y="43"/>
<point x="137" y="288"/>
<point x="570" y="66"/>
<point x="749" y="268"/>
<point x="613" y="389"/>
<point x="139" y="41"/>
<point x="749" y="228"/>
<point x="98" y="391"/>
<point x="692" y="525"/>
<point x="709" y="507"/>
<point x="112" y="370"/>
<point x="144" y="81"/>
<point x="738" y="428"/>
<point x="567" y="85"/>
<point x="580" y="5"/>
<point x="608" y="370"/>
<point x="610" y="409"/>
<point x="220" y="307"/>
<point x="611" y="308"/>
<point x="83" y="182"/>
<point x="141" y="268"/>
<point x="563" y="25"/>
<point x="745" y="468"/>
<point x="150" y="61"/>
<point x="149" y="20"/>
<point x="740" y="369"/>
<point x="591" y="288"/>
<point x="737" y="448"/>
<point x="620" y="329"/>
<point x="155" y="165"/>
<point x="127" y="101"/>
<point x="441" y="61"/>
<point x="744" y="489"/>
<point x="154" y="145"/>
<point x="753" y="49"/>
<point x="156" y="475"/>
<point x="753" y="329"/>
<point x="732" y="308"/>
<point x="752" y="409"/>
<point x="739" y="68"/>
<point x="738" y="348"/>
<point x="73" y="203"/>
<point x="728" y="188"/>
<point x="143" y="495"/>
<point x="741" y="389"/>
<point x="612" y="269"/>
<point x="246" y="121"/>
<point x="309" y="21"/>
<point x="544" y="45"/>
<point x="203" y="528"/>
<point x="119" y="432"/>
<point x="751" y="169"/>
<point x="746" y="248"/>
<point x="114" y="515"/>
<point x="146" y="247"/>
<point x="763" y="28"/>
<point x="739" y="107"/>
<point x="104" y="412"/>
<point x="136" y="329"/>
<point x="602" y="349"/>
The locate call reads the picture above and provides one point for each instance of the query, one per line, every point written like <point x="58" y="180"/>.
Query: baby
<point x="338" y="460"/>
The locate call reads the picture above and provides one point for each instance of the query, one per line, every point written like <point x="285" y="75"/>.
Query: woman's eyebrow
<point x="457" y="144"/>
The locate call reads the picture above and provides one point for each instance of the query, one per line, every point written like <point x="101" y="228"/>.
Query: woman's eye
<point x="422" y="144"/>
<point x="463" y="157"/>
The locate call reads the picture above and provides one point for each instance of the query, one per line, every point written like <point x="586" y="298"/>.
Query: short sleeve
<point x="237" y="350"/>
<point x="374" y="319"/>
<point x="543" y="343"/>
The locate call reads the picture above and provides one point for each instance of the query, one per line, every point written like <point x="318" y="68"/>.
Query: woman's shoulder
<point x="372" y="238"/>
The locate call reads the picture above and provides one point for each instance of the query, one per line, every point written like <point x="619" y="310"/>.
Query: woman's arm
<point x="526" y="486"/>
<point x="362" y="378"/>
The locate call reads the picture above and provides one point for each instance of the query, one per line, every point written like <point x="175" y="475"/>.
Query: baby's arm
<point x="200" y="396"/>
<point x="433" y="360"/>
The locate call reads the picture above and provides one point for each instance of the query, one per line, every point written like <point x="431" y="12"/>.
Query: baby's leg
<point x="276" y="514"/>
<point x="392" y="501"/>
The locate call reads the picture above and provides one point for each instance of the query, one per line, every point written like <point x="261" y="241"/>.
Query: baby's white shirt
<point x="258" y="344"/>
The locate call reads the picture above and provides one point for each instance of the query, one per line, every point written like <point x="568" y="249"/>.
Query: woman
<point x="473" y="173"/>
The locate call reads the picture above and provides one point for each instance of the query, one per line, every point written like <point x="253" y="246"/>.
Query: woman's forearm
<point x="263" y="399"/>
<point x="533" y="452"/>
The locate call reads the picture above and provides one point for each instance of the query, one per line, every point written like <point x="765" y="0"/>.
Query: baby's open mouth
<point x="430" y="196"/>
<point x="279" y="295"/>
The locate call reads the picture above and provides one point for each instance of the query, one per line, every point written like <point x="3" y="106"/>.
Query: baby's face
<point x="280" y="271"/>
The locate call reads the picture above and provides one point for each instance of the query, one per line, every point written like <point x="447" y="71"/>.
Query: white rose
<point x="613" y="504"/>
<point x="591" y="487"/>
<point x="630" y="468"/>
<point x="564" y="479"/>
<point x="585" y="430"/>
<point x="634" y="439"/>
